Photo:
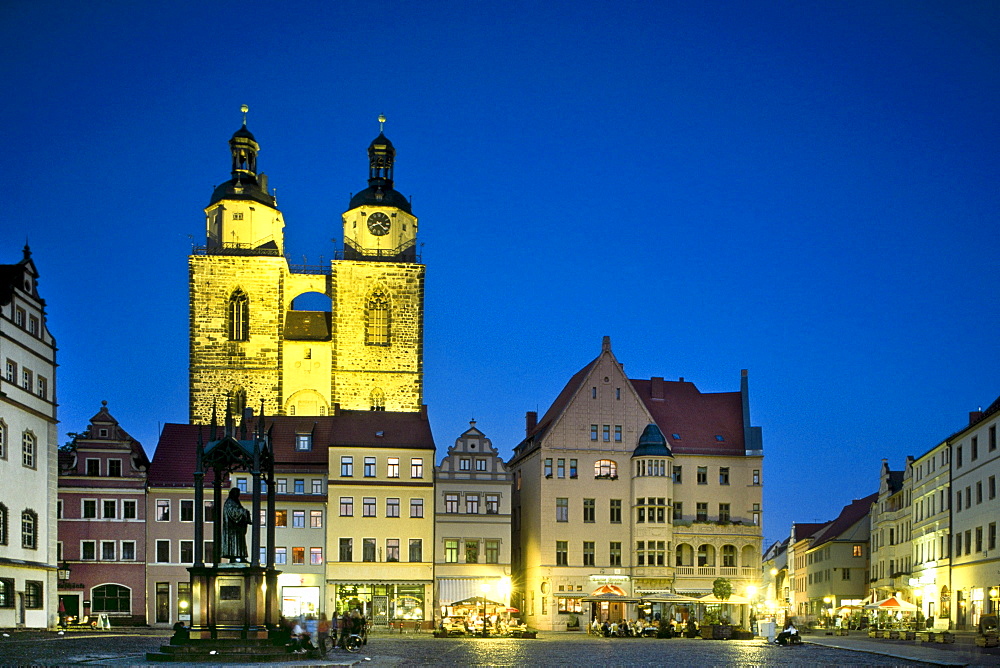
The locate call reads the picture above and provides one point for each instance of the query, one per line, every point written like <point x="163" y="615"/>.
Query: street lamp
<point x="994" y="595"/>
<point x="485" y="587"/>
<point x="63" y="571"/>
<point x="829" y="609"/>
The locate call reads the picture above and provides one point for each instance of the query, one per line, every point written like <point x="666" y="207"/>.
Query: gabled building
<point x="891" y="525"/>
<point x="639" y="487"/>
<point x="472" y="543"/>
<point x="837" y="561"/>
<point x="28" y="452"/>
<point x="799" y="540"/>
<point x="775" y="589"/>
<point x="102" y="523"/>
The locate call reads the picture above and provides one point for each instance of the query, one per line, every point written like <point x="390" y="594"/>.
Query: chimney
<point x="530" y="421"/>
<point x="656" y="387"/>
<point x="975" y="416"/>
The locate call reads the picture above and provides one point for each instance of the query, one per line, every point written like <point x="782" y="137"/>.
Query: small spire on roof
<point x="244" y="108"/>
<point x="381" y="122"/>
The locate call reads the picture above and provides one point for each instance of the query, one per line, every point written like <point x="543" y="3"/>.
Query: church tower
<point x="250" y="343"/>
<point x="378" y="291"/>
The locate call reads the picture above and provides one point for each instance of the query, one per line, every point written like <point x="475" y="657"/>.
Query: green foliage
<point x="722" y="588"/>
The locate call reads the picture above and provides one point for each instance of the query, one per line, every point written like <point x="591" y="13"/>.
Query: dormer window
<point x="303" y="442"/>
<point x="719" y="438"/>
<point x="676" y="437"/>
<point x="238" y="215"/>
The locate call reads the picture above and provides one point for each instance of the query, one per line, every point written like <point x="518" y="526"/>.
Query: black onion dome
<point x="379" y="196"/>
<point x="243" y="132"/>
<point x="381" y="140"/>
<point x="244" y="188"/>
<point x="652" y="443"/>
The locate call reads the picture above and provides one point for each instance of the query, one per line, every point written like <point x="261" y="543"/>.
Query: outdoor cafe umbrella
<point x="892" y="603"/>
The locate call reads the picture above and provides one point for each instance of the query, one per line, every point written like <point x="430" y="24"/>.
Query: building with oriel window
<point x="472" y="497"/>
<point x="930" y="578"/>
<point x="102" y="523"/>
<point x="301" y="338"/>
<point x="28" y="447"/>
<point x="891" y="524"/>
<point x="629" y="489"/>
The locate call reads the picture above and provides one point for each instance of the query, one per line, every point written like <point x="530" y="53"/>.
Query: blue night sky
<point x="808" y="190"/>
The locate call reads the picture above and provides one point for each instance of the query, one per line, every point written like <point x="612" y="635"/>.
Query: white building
<point x="28" y="452"/>
<point x="975" y="562"/>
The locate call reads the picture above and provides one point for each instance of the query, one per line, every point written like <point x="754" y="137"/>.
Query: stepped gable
<point x="849" y="516"/>
<point x="680" y="408"/>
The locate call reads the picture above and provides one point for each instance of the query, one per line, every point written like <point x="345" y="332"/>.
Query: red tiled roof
<point x="694" y="416"/>
<point x="803" y="530"/>
<point x="174" y="461"/>
<point x="849" y="516"/>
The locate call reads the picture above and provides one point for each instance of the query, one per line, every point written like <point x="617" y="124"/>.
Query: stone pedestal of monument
<point x="233" y="601"/>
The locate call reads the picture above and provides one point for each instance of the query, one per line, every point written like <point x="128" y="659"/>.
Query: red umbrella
<point x="62" y="606"/>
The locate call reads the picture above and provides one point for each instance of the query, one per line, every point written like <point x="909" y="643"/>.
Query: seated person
<point x="787" y="634"/>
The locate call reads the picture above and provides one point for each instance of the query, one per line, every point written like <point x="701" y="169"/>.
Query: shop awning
<point x="452" y="591"/>
<point x="732" y="600"/>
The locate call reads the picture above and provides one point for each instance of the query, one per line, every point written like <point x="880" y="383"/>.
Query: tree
<point x="722" y="588"/>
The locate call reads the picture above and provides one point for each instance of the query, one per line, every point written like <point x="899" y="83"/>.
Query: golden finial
<point x="244" y="108"/>
<point x="381" y="122"/>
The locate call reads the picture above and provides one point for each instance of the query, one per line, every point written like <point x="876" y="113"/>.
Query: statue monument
<point x="234" y="605"/>
<point x="235" y="519"/>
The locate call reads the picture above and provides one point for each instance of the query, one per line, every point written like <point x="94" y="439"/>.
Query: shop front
<point x="384" y="603"/>
<point x="300" y="595"/>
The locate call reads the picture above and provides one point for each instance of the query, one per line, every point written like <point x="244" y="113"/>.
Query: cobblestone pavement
<point x="128" y="648"/>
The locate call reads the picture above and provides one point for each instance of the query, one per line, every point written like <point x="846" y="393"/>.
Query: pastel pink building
<point x="102" y="523"/>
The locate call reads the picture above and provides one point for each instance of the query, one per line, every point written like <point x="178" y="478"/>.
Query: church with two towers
<point x="249" y="344"/>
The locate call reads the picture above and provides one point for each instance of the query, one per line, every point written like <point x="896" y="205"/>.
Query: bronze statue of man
<point x="235" y="519"/>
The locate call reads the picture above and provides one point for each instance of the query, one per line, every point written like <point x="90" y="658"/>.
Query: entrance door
<point x="162" y="602"/>
<point x="380" y="610"/>
<point x="70" y="604"/>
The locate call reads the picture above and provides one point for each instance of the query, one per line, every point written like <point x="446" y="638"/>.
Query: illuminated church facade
<point x="249" y="344"/>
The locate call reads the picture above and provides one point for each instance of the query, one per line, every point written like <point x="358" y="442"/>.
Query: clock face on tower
<point x="378" y="223"/>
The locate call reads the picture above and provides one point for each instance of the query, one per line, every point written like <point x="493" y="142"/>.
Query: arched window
<point x="29" y="530"/>
<point x="3" y="440"/>
<point x="377" y="400"/>
<point x="706" y="555"/>
<point x="3" y="525"/>
<point x="239" y="316"/>
<point x="605" y="468"/>
<point x="377" y="319"/>
<point x="685" y="555"/>
<point x="111" y="598"/>
<point x="28" y="449"/>
<point x="728" y="556"/>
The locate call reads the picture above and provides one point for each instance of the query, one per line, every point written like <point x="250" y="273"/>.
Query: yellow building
<point x="380" y="556"/>
<point x="629" y="489"/>
<point x="250" y="340"/>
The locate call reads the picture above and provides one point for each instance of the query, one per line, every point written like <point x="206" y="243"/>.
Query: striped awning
<point x="453" y="590"/>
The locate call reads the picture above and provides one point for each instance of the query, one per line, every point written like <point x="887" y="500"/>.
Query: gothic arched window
<point x="29" y="530"/>
<point x="377" y="400"/>
<point x="239" y="316"/>
<point x="3" y="440"/>
<point x="3" y="525"/>
<point x="377" y="319"/>
<point x="239" y="404"/>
